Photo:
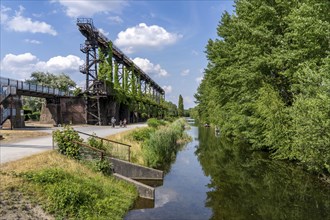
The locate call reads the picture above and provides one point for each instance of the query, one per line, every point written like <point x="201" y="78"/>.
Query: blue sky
<point x="166" y="39"/>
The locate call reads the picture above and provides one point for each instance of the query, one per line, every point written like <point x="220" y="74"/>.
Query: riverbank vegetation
<point x="63" y="187"/>
<point x="267" y="82"/>
<point x="156" y="145"/>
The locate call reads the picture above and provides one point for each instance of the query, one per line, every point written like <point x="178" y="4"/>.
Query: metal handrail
<point x="104" y="139"/>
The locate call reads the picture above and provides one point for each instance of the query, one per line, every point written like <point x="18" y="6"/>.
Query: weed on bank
<point x="66" y="188"/>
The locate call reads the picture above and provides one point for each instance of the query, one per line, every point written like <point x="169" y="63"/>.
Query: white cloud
<point x="90" y="7"/>
<point x="4" y="15"/>
<point x="185" y="72"/>
<point x="150" y="68"/>
<point x="194" y="52"/>
<point x="103" y="32"/>
<point x="188" y="102"/>
<point x="167" y="89"/>
<point x="20" y="23"/>
<point x="115" y="19"/>
<point x="32" y="41"/>
<point x="21" y="66"/>
<point x="143" y="35"/>
<point x="199" y="79"/>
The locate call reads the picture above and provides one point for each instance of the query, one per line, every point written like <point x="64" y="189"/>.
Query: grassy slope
<point x="63" y="187"/>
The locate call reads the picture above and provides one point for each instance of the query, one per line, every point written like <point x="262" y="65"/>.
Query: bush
<point x="103" y="166"/>
<point x="142" y="134"/>
<point x="97" y="143"/>
<point x="64" y="140"/>
<point x="155" y="123"/>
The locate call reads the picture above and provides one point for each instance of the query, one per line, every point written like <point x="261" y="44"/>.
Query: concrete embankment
<point x="137" y="174"/>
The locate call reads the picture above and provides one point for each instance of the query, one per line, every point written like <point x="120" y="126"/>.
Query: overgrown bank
<point x="64" y="188"/>
<point x="156" y="145"/>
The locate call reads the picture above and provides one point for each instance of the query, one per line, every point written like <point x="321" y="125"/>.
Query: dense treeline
<point x="268" y="79"/>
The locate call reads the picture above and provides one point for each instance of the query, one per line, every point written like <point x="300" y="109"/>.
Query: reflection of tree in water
<point x="247" y="185"/>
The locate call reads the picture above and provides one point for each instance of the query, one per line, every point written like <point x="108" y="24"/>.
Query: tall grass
<point x="66" y="188"/>
<point x="161" y="147"/>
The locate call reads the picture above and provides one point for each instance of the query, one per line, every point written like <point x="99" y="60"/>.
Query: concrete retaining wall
<point x="135" y="171"/>
<point x="145" y="191"/>
<point x="128" y="171"/>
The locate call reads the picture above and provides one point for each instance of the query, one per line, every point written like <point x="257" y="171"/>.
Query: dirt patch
<point x="13" y="205"/>
<point x="14" y="135"/>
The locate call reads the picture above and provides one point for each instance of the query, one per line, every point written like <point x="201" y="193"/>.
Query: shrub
<point x="103" y="166"/>
<point x="142" y="134"/>
<point x="64" y="140"/>
<point x="155" y="123"/>
<point x="97" y="143"/>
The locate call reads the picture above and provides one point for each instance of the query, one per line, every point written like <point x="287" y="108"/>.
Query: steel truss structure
<point x="123" y="71"/>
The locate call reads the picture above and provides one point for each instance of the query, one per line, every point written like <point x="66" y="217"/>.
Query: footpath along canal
<point x="214" y="179"/>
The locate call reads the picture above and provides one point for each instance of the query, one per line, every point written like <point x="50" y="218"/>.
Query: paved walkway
<point x="17" y="150"/>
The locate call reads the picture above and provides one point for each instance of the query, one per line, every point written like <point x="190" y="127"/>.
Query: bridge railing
<point x="20" y="85"/>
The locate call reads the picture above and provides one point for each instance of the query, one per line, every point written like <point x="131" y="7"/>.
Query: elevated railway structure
<point x="113" y="80"/>
<point x="114" y="87"/>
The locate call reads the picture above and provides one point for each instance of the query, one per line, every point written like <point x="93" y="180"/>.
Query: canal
<point x="215" y="179"/>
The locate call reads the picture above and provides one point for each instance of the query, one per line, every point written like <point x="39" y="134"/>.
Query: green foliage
<point x="160" y="149"/>
<point x="103" y="166"/>
<point x="61" y="81"/>
<point x="267" y="80"/>
<point x="155" y="123"/>
<point x="97" y="143"/>
<point x="77" y="196"/>
<point x="64" y="139"/>
<point x="180" y="107"/>
<point x="142" y="134"/>
<point x="33" y="103"/>
<point x="116" y="77"/>
<point x="34" y="116"/>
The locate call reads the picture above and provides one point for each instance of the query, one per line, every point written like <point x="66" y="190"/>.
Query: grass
<point x="136" y="149"/>
<point x="64" y="188"/>
<point x="154" y="146"/>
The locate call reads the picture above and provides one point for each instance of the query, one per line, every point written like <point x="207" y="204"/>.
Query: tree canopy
<point x="180" y="107"/>
<point x="267" y="81"/>
<point x="61" y="81"/>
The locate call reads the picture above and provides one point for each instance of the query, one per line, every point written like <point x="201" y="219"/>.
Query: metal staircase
<point x="6" y="114"/>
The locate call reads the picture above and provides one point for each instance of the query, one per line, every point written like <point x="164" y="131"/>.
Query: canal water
<point x="215" y="179"/>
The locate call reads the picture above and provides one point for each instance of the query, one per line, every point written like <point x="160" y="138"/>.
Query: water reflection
<point x="215" y="179"/>
<point x="183" y="193"/>
<point x="247" y="185"/>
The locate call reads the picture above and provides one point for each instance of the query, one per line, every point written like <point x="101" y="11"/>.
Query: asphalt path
<point x="22" y="148"/>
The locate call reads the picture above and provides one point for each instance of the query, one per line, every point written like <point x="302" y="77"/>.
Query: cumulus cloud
<point x="22" y="65"/>
<point x="185" y="72"/>
<point x="90" y="7"/>
<point x="167" y="89"/>
<point x="19" y="23"/>
<point x="143" y="35"/>
<point x="150" y="68"/>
